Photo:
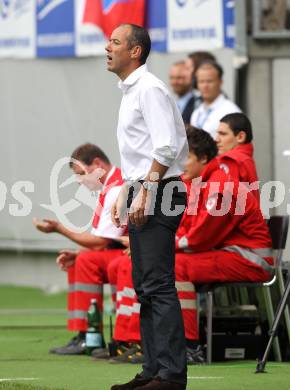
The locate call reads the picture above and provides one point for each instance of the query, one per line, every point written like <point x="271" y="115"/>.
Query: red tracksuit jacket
<point x="239" y="163"/>
<point x="205" y="231"/>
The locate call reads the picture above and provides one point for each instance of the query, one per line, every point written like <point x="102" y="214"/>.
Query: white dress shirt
<point x="208" y="117"/>
<point x="150" y="127"/>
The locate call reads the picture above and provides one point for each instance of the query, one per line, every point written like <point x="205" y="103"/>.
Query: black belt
<point x="162" y="181"/>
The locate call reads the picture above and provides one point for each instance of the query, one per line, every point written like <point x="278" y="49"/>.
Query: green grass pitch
<point x="31" y="322"/>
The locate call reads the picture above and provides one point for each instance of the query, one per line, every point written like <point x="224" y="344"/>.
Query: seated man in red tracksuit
<point x="235" y="149"/>
<point x="240" y="242"/>
<point x="87" y="267"/>
<point x="223" y="236"/>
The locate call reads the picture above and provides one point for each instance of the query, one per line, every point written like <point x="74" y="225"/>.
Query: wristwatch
<point x="149" y="185"/>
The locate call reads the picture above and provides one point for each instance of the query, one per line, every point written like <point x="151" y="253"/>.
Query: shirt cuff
<point x="165" y="156"/>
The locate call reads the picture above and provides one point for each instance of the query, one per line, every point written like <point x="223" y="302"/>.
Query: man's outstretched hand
<point x="46" y="225"/>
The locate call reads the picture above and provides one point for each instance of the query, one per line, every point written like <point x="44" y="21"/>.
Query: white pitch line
<point x="17" y="379"/>
<point x="205" y="377"/>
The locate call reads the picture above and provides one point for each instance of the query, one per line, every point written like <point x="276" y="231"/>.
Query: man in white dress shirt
<point x="153" y="149"/>
<point x="209" y="77"/>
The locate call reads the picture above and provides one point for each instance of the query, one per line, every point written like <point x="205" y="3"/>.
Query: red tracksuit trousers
<point x="85" y="281"/>
<point x="205" y="267"/>
<point x="127" y="326"/>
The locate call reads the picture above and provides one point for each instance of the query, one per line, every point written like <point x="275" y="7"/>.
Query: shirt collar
<point x="188" y="95"/>
<point x="215" y="103"/>
<point x="109" y="175"/>
<point x="247" y="149"/>
<point x="241" y="150"/>
<point x="132" y="78"/>
<point x="183" y="100"/>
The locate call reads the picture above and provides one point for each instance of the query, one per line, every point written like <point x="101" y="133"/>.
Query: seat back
<point x="278" y="227"/>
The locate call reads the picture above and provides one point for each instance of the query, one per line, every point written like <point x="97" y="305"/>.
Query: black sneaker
<point x="101" y="353"/>
<point x="115" y="348"/>
<point x="124" y="354"/>
<point x="137" y="357"/>
<point x="195" y="356"/>
<point x="71" y="342"/>
<point x="76" y="346"/>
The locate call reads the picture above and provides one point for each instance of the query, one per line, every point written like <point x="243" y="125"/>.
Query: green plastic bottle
<point x="94" y="336"/>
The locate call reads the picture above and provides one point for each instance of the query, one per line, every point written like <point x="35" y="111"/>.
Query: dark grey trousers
<point x="153" y="259"/>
